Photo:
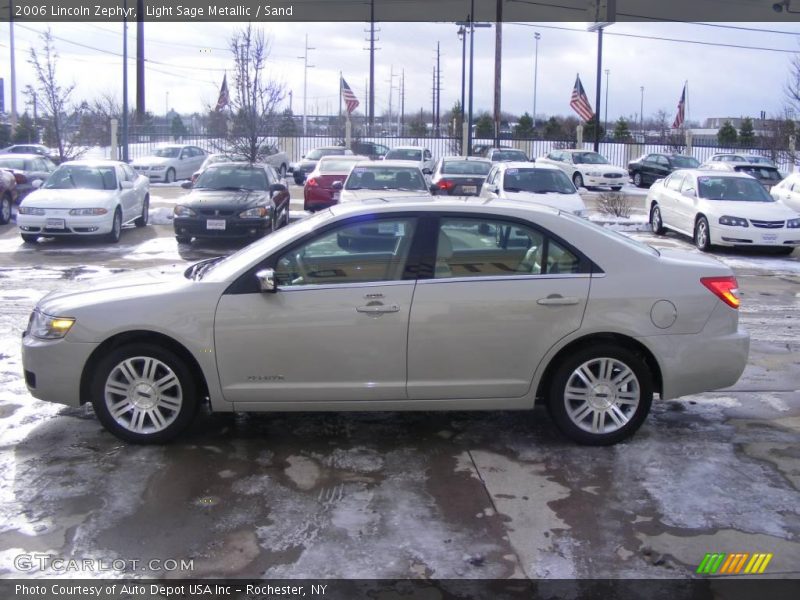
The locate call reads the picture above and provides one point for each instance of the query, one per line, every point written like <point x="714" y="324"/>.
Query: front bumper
<point x="204" y="227"/>
<point x="154" y="176"/>
<point x="319" y="199"/>
<point x="604" y="180"/>
<point x="53" y="368"/>
<point x="725" y="235"/>
<point x="73" y="225"/>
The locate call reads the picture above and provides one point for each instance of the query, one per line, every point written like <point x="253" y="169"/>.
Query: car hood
<point x="356" y="195"/>
<point x="64" y="198"/>
<point x="567" y="202"/>
<point x="765" y="211"/>
<point x="603" y="168"/>
<point x="151" y="161"/>
<point x="225" y="197"/>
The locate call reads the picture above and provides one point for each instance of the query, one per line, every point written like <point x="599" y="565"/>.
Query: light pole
<point x="536" y="37"/>
<point x="605" y="118"/>
<point x="472" y="26"/>
<point x="306" y="67"/>
<point x="124" y="87"/>
<point x="641" y="111"/>
<point x="462" y="35"/>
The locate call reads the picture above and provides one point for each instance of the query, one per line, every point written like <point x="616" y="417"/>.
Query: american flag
<point x="224" y="96"/>
<point x="579" y="102"/>
<point x="349" y="97"/>
<point x="679" y="118"/>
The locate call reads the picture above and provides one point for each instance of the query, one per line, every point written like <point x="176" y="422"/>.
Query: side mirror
<point x="37" y="183"/>
<point x="187" y="185"/>
<point x="337" y="185"/>
<point x="266" y="281"/>
<point x="689" y="193"/>
<point x="126" y="185"/>
<point x="426" y="171"/>
<point x="277" y="188"/>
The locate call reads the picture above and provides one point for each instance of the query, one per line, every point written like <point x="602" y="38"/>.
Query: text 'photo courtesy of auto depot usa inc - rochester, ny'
<point x="471" y="299"/>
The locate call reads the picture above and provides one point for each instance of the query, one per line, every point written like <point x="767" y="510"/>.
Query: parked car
<point x="383" y="179"/>
<point x="171" y="162"/>
<point x="767" y="175"/>
<point x="38" y="149"/>
<point x="408" y="305"/>
<point x="320" y="190"/>
<point x="308" y="161"/>
<point x="275" y="157"/>
<point x="459" y="175"/>
<point x="26" y="169"/>
<point x="753" y="159"/>
<point x="788" y="191"/>
<point x="416" y="154"/>
<point x="651" y="167"/>
<point x="8" y="195"/>
<point x="232" y="200"/>
<point x="722" y="208"/>
<point x="85" y="198"/>
<point x="506" y="155"/>
<point x="588" y="169"/>
<point x="215" y="158"/>
<point x="541" y="183"/>
<point x="482" y="149"/>
<point x="371" y="150"/>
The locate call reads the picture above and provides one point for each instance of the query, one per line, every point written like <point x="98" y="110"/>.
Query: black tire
<point x="616" y="188"/>
<point x="142" y="220"/>
<point x="656" y="222"/>
<point x="183" y="239"/>
<point x="175" y="405"/>
<point x="282" y="171"/>
<point x="577" y="179"/>
<point x="299" y="179"/>
<point x="702" y="235"/>
<point x="620" y="417"/>
<point x="170" y="176"/>
<point x="30" y="238"/>
<point x="5" y="209"/>
<point x="637" y="179"/>
<point x="116" y="228"/>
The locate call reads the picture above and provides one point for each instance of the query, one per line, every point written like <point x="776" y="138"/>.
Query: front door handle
<point x="378" y="308"/>
<point x="558" y="300"/>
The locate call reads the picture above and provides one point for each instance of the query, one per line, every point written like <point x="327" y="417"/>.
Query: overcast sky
<point x="189" y="59"/>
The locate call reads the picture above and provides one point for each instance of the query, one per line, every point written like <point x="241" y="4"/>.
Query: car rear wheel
<point x="143" y="394"/>
<point x="116" y="228"/>
<point x="616" y="188"/>
<point x="702" y="235"/>
<point x="142" y="220"/>
<point x="170" y="177"/>
<point x="656" y="223"/>
<point x="577" y="179"/>
<point x="637" y="179"/>
<point x="5" y="209"/>
<point x="30" y="238"/>
<point x="282" y="171"/>
<point x="600" y="395"/>
<point x="183" y="239"/>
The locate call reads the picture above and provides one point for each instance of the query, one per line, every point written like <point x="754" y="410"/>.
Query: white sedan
<point x="85" y="197"/>
<point x="788" y="191"/>
<point x="722" y="208"/>
<point x="383" y="179"/>
<point x="586" y="169"/>
<point x="541" y="183"/>
<point x="171" y="162"/>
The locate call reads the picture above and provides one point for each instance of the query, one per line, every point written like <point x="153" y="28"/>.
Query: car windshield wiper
<point x="196" y="270"/>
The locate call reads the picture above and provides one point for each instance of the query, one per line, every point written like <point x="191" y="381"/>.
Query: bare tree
<point x="55" y="98"/>
<point x="255" y="98"/>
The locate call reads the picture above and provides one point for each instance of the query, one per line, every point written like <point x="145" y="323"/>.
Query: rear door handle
<point x="378" y="308"/>
<point x="558" y="300"/>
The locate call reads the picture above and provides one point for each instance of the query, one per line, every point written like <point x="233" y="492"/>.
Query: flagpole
<point x="340" y="95"/>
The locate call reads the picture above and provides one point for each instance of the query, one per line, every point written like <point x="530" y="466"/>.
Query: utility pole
<point x="471" y="19"/>
<point x="536" y="37"/>
<point x="306" y="67"/>
<point x="140" y="104"/>
<point x="498" y="54"/>
<point x="124" y="87"/>
<point x="391" y="93"/>
<point x="605" y="118"/>
<point x="13" y="68"/>
<point x="433" y="101"/>
<point x="462" y="35"/>
<point x="438" y="90"/>
<point x="371" y="95"/>
<point x="402" y="101"/>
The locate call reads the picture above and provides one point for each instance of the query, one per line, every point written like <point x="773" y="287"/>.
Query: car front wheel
<point x="637" y="179"/>
<point x="170" y="177"/>
<point x="702" y="235"/>
<point x="116" y="228"/>
<point x="600" y="395"/>
<point x="656" y="223"/>
<point x="143" y="393"/>
<point x="577" y="179"/>
<point x="5" y="209"/>
<point x="142" y="220"/>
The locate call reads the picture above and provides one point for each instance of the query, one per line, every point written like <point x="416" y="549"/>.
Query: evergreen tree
<point x="726" y="136"/>
<point x="747" y="136"/>
<point x="25" y="132"/>
<point x="484" y="126"/>
<point x="553" y="130"/>
<point x="524" y="128"/>
<point x="622" y="132"/>
<point x="177" y="128"/>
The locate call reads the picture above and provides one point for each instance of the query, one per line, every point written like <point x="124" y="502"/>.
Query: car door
<point x="686" y="206"/>
<point x="141" y="185"/>
<point x="661" y="167"/>
<point x="502" y="293"/>
<point x="646" y="168"/>
<point x="336" y="328"/>
<point x="791" y="194"/>
<point x="127" y="195"/>
<point x="667" y="199"/>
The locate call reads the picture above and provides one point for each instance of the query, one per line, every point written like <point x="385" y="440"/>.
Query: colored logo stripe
<point x="732" y="564"/>
<point x="758" y="563"/>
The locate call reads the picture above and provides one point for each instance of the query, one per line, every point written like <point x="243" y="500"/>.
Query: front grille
<point x="212" y="212"/>
<point x="767" y="224"/>
<point x="612" y="175"/>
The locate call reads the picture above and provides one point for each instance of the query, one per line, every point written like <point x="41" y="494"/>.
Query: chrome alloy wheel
<point x="143" y="394"/>
<point x="602" y="395"/>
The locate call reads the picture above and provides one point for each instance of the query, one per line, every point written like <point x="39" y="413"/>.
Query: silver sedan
<point x="399" y="305"/>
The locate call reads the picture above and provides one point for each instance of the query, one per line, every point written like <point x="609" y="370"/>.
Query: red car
<point x="318" y="192"/>
<point x="8" y="194"/>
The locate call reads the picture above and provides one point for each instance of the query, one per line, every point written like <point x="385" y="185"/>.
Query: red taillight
<point x="312" y="182"/>
<point x="20" y="178"/>
<point x="194" y="178"/>
<point x="445" y="184"/>
<point x="725" y="288"/>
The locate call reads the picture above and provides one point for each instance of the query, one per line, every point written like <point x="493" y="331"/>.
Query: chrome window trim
<point x="520" y="277"/>
<point x="338" y="286"/>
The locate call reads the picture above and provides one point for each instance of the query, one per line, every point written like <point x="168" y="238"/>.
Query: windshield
<point x="509" y="156"/>
<point x="538" y="181"/>
<point x="67" y="177"/>
<point x="742" y="189"/>
<point x="13" y="163"/>
<point x="167" y="152"/>
<point x="764" y="174"/>
<point x="338" y="165"/>
<point x="232" y="177"/>
<point x="404" y="154"/>
<point x="466" y="167"/>
<point x="759" y="160"/>
<point x="385" y="178"/>
<point x="685" y="162"/>
<point x="318" y="153"/>
<point x="589" y="158"/>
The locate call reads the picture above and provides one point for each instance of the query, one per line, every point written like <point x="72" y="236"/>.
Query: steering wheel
<point x="301" y="267"/>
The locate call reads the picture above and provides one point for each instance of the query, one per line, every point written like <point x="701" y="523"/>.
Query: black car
<point x="506" y="155"/>
<point x="309" y="161"/>
<point x="646" y="169"/>
<point x="459" y="176"/>
<point x="232" y="200"/>
<point x="26" y="169"/>
<point x="370" y="149"/>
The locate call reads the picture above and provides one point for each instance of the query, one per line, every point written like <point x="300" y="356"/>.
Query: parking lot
<point x="406" y="495"/>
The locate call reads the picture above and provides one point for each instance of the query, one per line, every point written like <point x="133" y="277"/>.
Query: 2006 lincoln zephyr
<point x="401" y="305"/>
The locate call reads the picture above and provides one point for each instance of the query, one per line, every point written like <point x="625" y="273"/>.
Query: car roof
<point x="21" y="155"/>
<point x="701" y="171"/>
<point x="480" y="159"/>
<point x="235" y="163"/>
<point x="408" y="148"/>
<point x="386" y="163"/>
<point x="454" y="203"/>
<point x="351" y="157"/>
<point x="93" y="162"/>
<point x="527" y="165"/>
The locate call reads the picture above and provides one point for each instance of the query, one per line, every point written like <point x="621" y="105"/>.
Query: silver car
<point x="399" y="305"/>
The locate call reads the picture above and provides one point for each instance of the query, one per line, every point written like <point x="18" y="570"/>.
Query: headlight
<point x="793" y="223"/>
<point x="593" y="173"/>
<point x="88" y="211"/>
<point x="24" y="210"/>
<point x="733" y="221"/>
<point x="49" y="328"/>
<point x="259" y="212"/>
<point x="183" y="211"/>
